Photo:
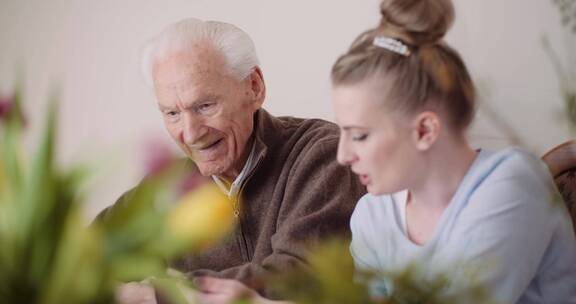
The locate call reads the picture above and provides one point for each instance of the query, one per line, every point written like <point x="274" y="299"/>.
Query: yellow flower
<point x="202" y="217"/>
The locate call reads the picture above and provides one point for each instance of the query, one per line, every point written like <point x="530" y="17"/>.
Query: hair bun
<point x="416" y="22"/>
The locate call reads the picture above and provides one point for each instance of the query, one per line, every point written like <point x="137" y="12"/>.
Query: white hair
<point x="233" y="43"/>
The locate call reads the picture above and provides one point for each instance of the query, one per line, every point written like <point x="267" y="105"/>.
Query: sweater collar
<point x="264" y="126"/>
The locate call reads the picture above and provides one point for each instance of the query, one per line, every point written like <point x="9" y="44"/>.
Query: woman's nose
<point x="344" y="155"/>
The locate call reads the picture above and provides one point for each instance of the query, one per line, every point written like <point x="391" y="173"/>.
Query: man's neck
<point x="230" y="176"/>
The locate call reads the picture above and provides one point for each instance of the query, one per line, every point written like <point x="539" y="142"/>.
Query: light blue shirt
<point x="505" y="229"/>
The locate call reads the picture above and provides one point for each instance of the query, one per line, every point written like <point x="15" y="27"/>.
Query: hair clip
<point x="391" y="44"/>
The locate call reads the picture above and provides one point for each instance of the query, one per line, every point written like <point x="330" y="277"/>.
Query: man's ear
<point x="257" y="87"/>
<point x="426" y="129"/>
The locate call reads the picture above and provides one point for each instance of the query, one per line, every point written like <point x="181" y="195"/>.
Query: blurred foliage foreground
<point x="565" y="68"/>
<point x="332" y="278"/>
<point x="49" y="254"/>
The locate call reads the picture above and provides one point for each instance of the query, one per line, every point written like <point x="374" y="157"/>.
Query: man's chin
<point x="209" y="170"/>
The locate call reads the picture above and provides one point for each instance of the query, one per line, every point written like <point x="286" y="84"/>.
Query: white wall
<point x="89" y="49"/>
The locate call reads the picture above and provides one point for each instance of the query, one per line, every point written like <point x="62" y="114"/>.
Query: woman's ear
<point x="426" y="129"/>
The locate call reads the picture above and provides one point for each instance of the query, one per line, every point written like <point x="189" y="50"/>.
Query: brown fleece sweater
<point x="295" y="196"/>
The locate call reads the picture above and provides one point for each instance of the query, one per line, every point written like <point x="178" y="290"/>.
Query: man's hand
<point x="135" y="293"/>
<point x="223" y="291"/>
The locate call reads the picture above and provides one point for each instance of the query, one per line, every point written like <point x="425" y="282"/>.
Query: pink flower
<point x="6" y="105"/>
<point x="193" y="180"/>
<point x="158" y="157"/>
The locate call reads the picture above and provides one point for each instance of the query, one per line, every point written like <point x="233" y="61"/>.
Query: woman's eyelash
<point x="360" y="137"/>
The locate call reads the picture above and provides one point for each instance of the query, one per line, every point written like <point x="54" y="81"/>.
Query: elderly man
<point x="281" y="173"/>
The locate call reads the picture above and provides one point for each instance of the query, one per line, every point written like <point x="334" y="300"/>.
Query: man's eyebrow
<point x="207" y="97"/>
<point x="162" y="107"/>
<point x="202" y="99"/>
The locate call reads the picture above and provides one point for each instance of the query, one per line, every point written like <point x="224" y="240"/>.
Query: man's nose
<point x="193" y="130"/>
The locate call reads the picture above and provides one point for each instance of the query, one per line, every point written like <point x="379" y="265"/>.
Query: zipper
<point x="243" y="243"/>
<point x="236" y="210"/>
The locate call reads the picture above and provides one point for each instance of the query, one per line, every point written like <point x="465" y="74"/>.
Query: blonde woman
<point x="404" y="99"/>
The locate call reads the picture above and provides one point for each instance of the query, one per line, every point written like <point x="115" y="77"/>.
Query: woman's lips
<point x="364" y="179"/>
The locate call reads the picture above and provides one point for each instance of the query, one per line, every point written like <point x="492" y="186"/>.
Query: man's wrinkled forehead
<point x="190" y="77"/>
<point x="200" y="59"/>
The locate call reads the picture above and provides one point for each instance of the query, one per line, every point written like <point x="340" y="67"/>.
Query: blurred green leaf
<point x="48" y="254"/>
<point x="327" y="279"/>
